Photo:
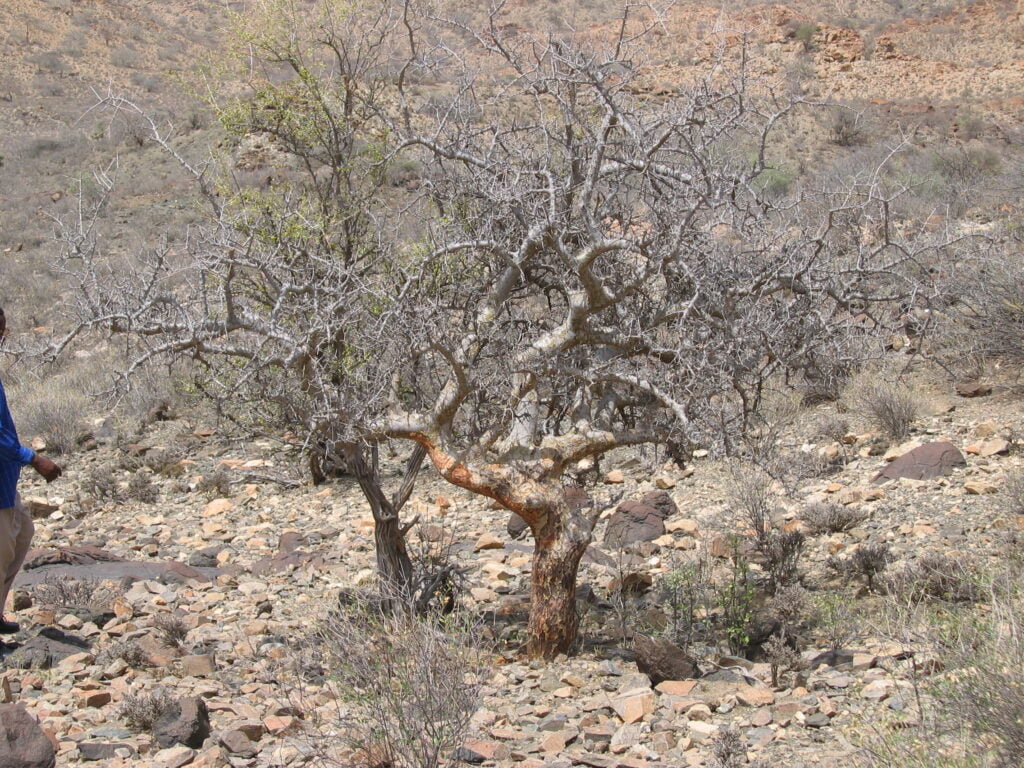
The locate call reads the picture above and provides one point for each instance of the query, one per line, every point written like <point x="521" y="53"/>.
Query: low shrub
<point x="405" y="686"/>
<point x="140" y="711"/>
<point x="889" y="405"/>
<point x="826" y="517"/>
<point x="142" y="488"/>
<point x="172" y="629"/>
<point x="936" y="577"/>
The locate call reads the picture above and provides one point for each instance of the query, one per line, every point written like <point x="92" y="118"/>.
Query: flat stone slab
<point x="45" y="650"/>
<point x="924" y="463"/>
<point x="169" y="572"/>
<point x="37" y="558"/>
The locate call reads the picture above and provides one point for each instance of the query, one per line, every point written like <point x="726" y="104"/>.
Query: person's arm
<point x="11" y="450"/>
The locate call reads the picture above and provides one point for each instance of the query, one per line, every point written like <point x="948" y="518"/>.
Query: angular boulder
<point x="187" y="724"/>
<point x="661" y="660"/>
<point x="632" y="522"/>
<point x="22" y="742"/>
<point x="924" y="463"/>
<point x="662" y="502"/>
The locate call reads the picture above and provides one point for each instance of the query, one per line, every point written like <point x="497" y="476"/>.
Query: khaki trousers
<point x="16" y="529"/>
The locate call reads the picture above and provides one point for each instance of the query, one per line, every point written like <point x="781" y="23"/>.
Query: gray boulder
<point x="22" y="742"/>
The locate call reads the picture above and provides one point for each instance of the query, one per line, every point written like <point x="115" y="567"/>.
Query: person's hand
<point x="46" y="468"/>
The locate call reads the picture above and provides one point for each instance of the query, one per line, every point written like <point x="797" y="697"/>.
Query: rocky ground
<point x="209" y="587"/>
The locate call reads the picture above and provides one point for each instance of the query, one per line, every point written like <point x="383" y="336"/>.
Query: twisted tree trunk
<point x="394" y="566"/>
<point x="554" y="622"/>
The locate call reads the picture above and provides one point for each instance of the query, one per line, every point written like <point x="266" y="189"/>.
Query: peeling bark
<point x="553" y="620"/>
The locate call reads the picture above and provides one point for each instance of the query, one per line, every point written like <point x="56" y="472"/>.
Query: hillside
<point x="192" y="598"/>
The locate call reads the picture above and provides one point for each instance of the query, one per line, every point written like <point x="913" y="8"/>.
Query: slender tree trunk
<point x="394" y="566"/>
<point x="560" y="545"/>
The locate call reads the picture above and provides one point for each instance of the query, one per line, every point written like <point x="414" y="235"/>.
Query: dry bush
<point x="780" y="552"/>
<point x="749" y="496"/>
<point x="53" y="413"/>
<point x="166" y="461"/>
<point x="832" y="427"/>
<point x="846" y="128"/>
<point x="889" y="405"/>
<point x="826" y="517"/>
<point x="989" y="313"/>
<point x="142" y="488"/>
<point x="404" y="687"/>
<point x="172" y="629"/>
<point x="216" y="484"/>
<point x="102" y="483"/>
<point x="140" y="711"/>
<point x="1013" y="493"/>
<point x="128" y="651"/>
<point x="936" y="577"/>
<point x="82" y="598"/>
<point x="973" y="716"/>
<point x="868" y="561"/>
<point x="686" y="594"/>
<point x="125" y="57"/>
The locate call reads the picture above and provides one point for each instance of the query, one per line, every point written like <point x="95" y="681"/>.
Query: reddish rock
<point x="199" y="665"/>
<point x="929" y="461"/>
<point x="633" y="705"/>
<point x="676" y="687"/>
<point x="23" y="744"/>
<point x="238" y="743"/>
<point x="93" y="698"/>
<point x="634" y="521"/>
<point x="187" y="724"/>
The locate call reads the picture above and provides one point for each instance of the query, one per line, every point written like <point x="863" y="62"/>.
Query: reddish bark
<point x="553" y="620"/>
<point x="562" y="527"/>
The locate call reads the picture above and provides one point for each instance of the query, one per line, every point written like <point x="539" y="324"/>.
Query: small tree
<point x="579" y="267"/>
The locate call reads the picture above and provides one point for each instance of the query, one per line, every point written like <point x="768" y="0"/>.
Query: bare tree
<point x="581" y="264"/>
<point x="282" y="300"/>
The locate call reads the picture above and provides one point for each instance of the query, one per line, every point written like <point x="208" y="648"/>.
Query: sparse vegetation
<point x="101" y="483"/>
<point x="142" y="488"/>
<point x="55" y="414"/>
<point x="166" y="462"/>
<point x="972" y="716"/>
<point x="846" y="128"/>
<point x="805" y="35"/>
<point x="140" y="711"/>
<point x="404" y="686"/>
<point x="868" y="561"/>
<point x="889" y="405"/>
<point x="910" y="191"/>
<point x="936" y="577"/>
<point x="827" y="517"/>
<point x="128" y="651"/>
<point x="76" y="596"/>
<point x="686" y="593"/>
<point x="215" y="483"/>
<point x="173" y="630"/>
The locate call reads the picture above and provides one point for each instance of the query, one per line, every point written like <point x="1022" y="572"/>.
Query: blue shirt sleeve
<point x="11" y="450"/>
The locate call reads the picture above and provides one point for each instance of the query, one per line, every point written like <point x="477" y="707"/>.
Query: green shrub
<point x="805" y="34"/>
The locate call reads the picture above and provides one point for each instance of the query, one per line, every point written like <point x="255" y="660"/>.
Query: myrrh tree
<point x="574" y="265"/>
